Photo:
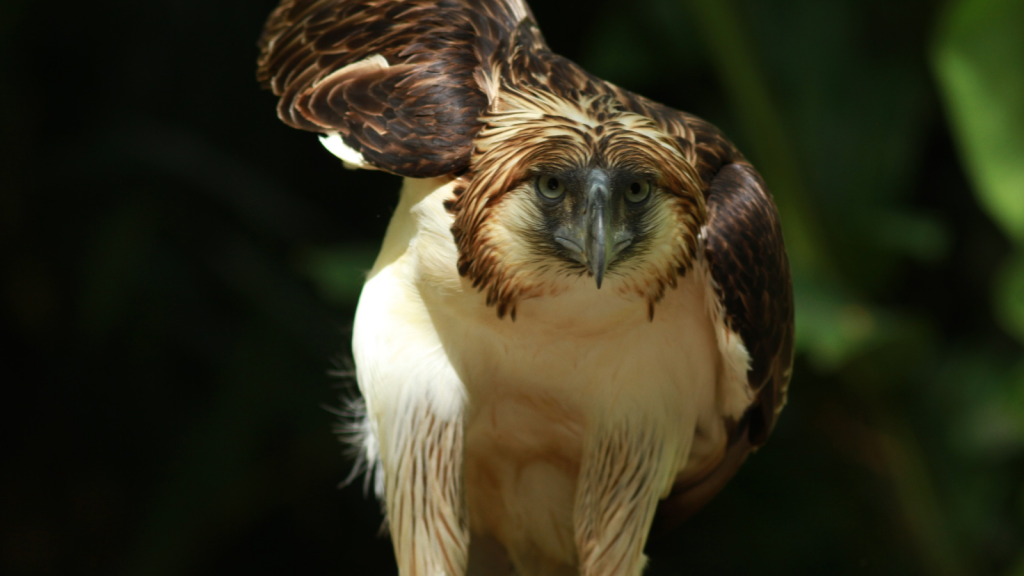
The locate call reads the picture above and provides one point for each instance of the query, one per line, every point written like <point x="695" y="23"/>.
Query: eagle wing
<point x="402" y="83"/>
<point x="747" y="260"/>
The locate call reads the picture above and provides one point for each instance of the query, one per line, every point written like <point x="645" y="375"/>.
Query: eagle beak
<point x="598" y="250"/>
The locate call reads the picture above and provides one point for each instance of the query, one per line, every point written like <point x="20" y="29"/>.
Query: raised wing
<point x="402" y="82"/>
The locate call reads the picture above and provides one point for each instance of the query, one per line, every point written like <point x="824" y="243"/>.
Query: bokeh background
<point x="179" y="272"/>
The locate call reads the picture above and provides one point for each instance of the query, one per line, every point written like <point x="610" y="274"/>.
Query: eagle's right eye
<point x="550" y="187"/>
<point x="638" y="191"/>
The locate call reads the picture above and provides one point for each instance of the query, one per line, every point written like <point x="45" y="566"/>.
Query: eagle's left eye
<point x="638" y="191"/>
<point x="550" y="187"/>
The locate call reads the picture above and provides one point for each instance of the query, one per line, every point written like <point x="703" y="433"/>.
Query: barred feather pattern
<point x="415" y="117"/>
<point x="624" y="472"/>
<point x="426" y="502"/>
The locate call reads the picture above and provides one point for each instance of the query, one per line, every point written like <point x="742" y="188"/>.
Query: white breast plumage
<point x="533" y="387"/>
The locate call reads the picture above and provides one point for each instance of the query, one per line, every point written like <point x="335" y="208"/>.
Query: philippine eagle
<point x="580" y="322"/>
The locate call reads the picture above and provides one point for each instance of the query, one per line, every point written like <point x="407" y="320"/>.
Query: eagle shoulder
<point x="747" y="257"/>
<point x="749" y="272"/>
<point x="745" y="253"/>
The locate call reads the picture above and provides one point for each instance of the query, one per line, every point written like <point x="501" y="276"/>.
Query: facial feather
<point x="528" y="134"/>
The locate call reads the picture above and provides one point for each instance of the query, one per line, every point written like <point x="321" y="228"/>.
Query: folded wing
<point x="747" y="260"/>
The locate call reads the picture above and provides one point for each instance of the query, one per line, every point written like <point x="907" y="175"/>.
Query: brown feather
<point x="459" y="72"/>
<point x="415" y="118"/>
<point x="748" y="261"/>
<point x="542" y="132"/>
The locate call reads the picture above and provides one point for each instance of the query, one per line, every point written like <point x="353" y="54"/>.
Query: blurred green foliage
<point x="978" y="46"/>
<point x="180" y="270"/>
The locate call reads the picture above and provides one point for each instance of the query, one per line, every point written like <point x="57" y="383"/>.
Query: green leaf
<point x="977" y="56"/>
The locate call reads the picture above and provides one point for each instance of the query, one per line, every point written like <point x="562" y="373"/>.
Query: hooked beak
<point x="593" y="237"/>
<point x="598" y="221"/>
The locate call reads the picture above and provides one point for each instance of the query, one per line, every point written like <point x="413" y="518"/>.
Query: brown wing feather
<point x="748" y="261"/>
<point x="416" y="117"/>
<point x="745" y="252"/>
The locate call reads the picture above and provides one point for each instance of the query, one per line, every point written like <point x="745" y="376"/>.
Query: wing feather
<point x="413" y="113"/>
<point x="747" y="259"/>
<point x="745" y="252"/>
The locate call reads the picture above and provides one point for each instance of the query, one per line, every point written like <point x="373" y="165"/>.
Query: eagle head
<point x="560" y="190"/>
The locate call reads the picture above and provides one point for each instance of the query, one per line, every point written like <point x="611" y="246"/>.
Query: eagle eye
<point x="550" y="187"/>
<point x="638" y="191"/>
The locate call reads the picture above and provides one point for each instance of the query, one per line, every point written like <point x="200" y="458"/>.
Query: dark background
<point x="179" y="271"/>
